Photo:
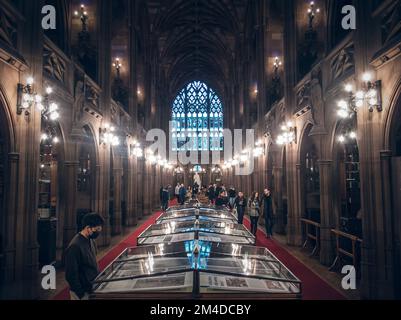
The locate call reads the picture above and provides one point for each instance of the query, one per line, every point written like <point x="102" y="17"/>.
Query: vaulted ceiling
<point x="196" y="39"/>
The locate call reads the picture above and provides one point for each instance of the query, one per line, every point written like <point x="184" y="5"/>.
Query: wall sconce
<point x="346" y="136"/>
<point x="371" y="93"/>
<point x="259" y="149"/>
<point x="83" y="15"/>
<point x="27" y="98"/>
<point x="178" y="170"/>
<point x="312" y="11"/>
<point x="117" y="65"/>
<point x="49" y="109"/>
<point x="216" y="169"/>
<point x="107" y="136"/>
<point x="136" y="150"/>
<point x="277" y="64"/>
<point x="150" y="157"/>
<point x="288" y="134"/>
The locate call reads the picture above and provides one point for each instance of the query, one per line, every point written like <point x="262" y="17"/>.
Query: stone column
<point x="391" y="222"/>
<point x="7" y="271"/>
<point x="294" y="231"/>
<point x="147" y="184"/>
<point x="131" y="193"/>
<point x="278" y="199"/>
<point x="70" y="195"/>
<point x="326" y="212"/>
<point x="139" y="190"/>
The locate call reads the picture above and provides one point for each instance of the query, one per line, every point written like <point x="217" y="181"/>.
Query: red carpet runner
<point x="313" y="287"/>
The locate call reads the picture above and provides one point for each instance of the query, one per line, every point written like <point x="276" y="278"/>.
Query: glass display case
<point x="212" y="231"/>
<point x="196" y="269"/>
<point x="202" y="213"/>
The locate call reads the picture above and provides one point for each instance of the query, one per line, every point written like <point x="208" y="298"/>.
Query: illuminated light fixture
<point x="371" y="94"/>
<point x="312" y="12"/>
<point x="178" y="170"/>
<point x="27" y="98"/>
<point x="136" y="150"/>
<point x="243" y="158"/>
<point x="347" y="135"/>
<point x="117" y="65"/>
<point x="288" y="134"/>
<point x="216" y="169"/>
<point x="277" y="63"/>
<point x="83" y="15"/>
<point x="108" y="137"/>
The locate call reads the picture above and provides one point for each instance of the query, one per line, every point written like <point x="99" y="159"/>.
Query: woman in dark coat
<point x="254" y="211"/>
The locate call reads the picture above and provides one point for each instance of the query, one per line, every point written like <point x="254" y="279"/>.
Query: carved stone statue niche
<point x="317" y="103"/>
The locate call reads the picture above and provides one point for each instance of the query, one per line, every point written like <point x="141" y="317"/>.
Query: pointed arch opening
<point x="197" y="119"/>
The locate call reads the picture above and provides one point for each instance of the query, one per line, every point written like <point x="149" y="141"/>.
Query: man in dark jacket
<point x="222" y="199"/>
<point x="268" y="212"/>
<point x="210" y="193"/>
<point x="81" y="267"/>
<point x="240" y="204"/>
<point x="182" y="194"/>
<point x="165" y="198"/>
<point x="232" y="194"/>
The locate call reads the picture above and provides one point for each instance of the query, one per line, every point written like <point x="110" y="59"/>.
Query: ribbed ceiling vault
<point x="196" y="39"/>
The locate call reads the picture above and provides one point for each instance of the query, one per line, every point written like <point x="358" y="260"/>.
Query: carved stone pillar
<point x="131" y="193"/>
<point x="147" y="184"/>
<point x="294" y="228"/>
<point x="117" y="219"/>
<point x="326" y="212"/>
<point x="278" y="200"/>
<point x="70" y="195"/>
<point x="140" y="186"/>
<point x="7" y="272"/>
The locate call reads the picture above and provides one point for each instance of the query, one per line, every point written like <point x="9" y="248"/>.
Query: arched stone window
<point x="197" y="119"/>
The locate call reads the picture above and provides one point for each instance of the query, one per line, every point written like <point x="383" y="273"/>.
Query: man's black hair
<point x="92" y="220"/>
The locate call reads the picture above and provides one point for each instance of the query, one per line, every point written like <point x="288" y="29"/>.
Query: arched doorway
<point x="284" y="190"/>
<point x="349" y="189"/>
<point x="310" y="188"/>
<point x="4" y="178"/>
<point x="395" y="145"/>
<point x="50" y="176"/>
<point x="86" y="175"/>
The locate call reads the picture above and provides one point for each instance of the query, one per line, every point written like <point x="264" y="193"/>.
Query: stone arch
<point x="7" y="144"/>
<point x="391" y="168"/>
<point x="310" y="190"/>
<point x="347" y="195"/>
<point x="88" y="158"/>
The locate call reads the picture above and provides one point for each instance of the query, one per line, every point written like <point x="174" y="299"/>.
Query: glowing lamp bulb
<point x="367" y="77"/>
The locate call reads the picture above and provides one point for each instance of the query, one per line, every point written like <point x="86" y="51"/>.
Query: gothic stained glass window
<point x="197" y="119"/>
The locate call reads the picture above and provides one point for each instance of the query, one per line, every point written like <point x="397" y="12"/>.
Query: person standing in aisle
<point x="268" y="212"/>
<point x="177" y="192"/>
<point x="210" y="194"/>
<point x="81" y="267"/>
<point x="240" y="205"/>
<point x="254" y="212"/>
<point x="161" y="196"/>
<point x="182" y="194"/>
<point x="221" y="199"/>
<point x="165" y="198"/>
<point x="232" y="194"/>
